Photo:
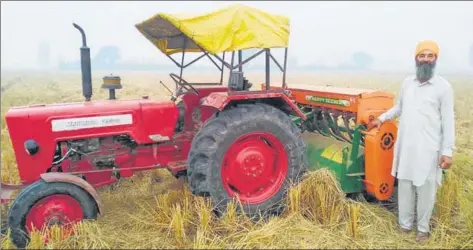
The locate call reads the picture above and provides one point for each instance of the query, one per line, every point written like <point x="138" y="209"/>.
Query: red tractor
<point x="228" y="141"/>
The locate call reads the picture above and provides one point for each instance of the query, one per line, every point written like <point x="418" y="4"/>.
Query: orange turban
<point x="427" y="45"/>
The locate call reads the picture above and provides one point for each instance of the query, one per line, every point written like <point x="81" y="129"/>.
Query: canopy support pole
<point x="267" y="68"/>
<point x="211" y="59"/>
<point x="231" y="67"/>
<point x="276" y="62"/>
<point x="195" y="60"/>
<point x="174" y="61"/>
<point x="182" y="59"/>
<point x="240" y="58"/>
<point x="221" y="71"/>
<point x="284" y="85"/>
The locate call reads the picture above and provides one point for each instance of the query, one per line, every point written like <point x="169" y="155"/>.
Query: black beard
<point x="425" y="70"/>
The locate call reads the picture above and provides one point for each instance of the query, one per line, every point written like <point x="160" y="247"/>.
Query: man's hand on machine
<point x="374" y="123"/>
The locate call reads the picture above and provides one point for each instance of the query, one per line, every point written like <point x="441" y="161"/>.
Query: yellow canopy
<point x="236" y="27"/>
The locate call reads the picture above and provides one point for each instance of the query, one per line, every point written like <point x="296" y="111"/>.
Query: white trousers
<point x="426" y="195"/>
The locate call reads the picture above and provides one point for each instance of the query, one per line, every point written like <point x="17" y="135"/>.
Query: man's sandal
<point x="421" y="237"/>
<point x="404" y="230"/>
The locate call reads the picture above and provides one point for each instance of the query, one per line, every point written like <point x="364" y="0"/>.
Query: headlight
<point x="31" y="147"/>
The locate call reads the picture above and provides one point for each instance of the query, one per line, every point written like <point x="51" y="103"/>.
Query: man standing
<point x="425" y="140"/>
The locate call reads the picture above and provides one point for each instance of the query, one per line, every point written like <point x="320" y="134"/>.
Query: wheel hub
<point x="55" y="218"/>
<point x="254" y="167"/>
<point x="52" y="210"/>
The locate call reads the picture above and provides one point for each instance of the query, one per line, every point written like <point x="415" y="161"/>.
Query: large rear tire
<point x="253" y="152"/>
<point x="43" y="203"/>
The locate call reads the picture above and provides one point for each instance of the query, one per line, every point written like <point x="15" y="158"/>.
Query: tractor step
<point x="177" y="167"/>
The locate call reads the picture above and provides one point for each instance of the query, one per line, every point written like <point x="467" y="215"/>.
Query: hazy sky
<point x="321" y="32"/>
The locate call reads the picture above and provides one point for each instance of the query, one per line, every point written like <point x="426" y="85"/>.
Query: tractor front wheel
<point x="44" y="204"/>
<point x="252" y="152"/>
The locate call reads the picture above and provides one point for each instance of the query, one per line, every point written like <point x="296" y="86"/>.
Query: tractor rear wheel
<point x="252" y="152"/>
<point x="43" y="204"/>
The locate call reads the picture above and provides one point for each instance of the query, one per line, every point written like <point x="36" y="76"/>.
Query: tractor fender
<point x="69" y="178"/>
<point x="276" y="98"/>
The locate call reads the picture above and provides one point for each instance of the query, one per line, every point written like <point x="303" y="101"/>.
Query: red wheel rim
<point x="254" y="167"/>
<point x="58" y="209"/>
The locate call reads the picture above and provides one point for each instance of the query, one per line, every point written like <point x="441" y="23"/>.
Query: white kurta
<point x="426" y="128"/>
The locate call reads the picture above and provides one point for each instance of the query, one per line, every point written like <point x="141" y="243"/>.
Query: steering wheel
<point x="182" y="84"/>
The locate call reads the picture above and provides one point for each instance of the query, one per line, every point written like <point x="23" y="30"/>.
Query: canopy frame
<point x="232" y="66"/>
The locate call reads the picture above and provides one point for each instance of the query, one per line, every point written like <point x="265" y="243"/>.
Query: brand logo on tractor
<point x="91" y="122"/>
<point x="325" y="100"/>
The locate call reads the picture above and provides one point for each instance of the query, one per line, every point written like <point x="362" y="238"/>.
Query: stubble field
<point x="154" y="210"/>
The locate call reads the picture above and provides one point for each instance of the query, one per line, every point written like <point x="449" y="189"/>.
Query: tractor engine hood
<point x="35" y="130"/>
<point x="139" y="118"/>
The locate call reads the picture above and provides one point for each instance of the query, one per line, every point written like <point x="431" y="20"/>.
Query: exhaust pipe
<point x="85" y="66"/>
